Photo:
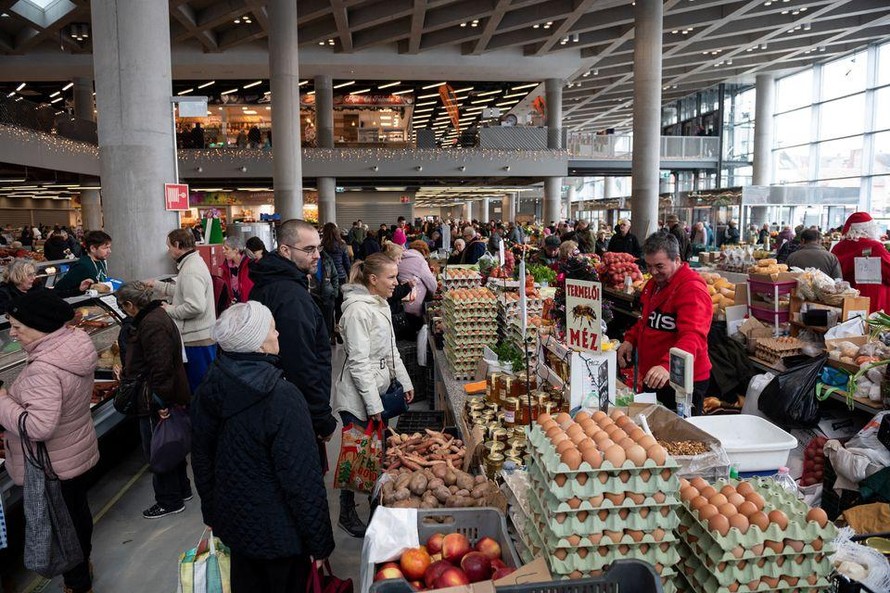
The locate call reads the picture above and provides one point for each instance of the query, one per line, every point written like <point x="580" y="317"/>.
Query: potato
<point x="434" y="484"/>
<point x="402" y="494"/>
<point x="453" y="488"/>
<point x="465" y="481"/>
<point x="450" y="477"/>
<point x="479" y="491"/>
<point x="442" y="494"/>
<point x="418" y="484"/>
<point x="403" y="481"/>
<point x="439" y="470"/>
<point x="480" y="479"/>
<point x="463" y="493"/>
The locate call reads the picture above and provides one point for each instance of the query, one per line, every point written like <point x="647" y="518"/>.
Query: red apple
<point x="477" y="567"/>
<point x="454" y="547"/>
<point x="451" y="577"/>
<point x="502" y="572"/>
<point x="434" y="543"/>
<point x="490" y="547"/>
<point x="497" y="563"/>
<point x="418" y="586"/>
<point x="434" y="572"/>
<point x="414" y="563"/>
<point x="390" y="570"/>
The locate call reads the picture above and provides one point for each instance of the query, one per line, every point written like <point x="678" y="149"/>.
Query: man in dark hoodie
<point x="281" y="283"/>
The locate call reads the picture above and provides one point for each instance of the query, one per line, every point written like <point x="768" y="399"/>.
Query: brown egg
<point x="740" y="522"/>
<point x="756" y="499"/>
<point x="600" y="436"/>
<point x="771" y="582"/>
<point x="623" y="513"/>
<point x="603" y="477"/>
<point x="616" y="434"/>
<point x="637" y="498"/>
<point x="581" y="417"/>
<point x="647" y="441"/>
<point x="795" y="545"/>
<point x="581" y="478"/>
<point x="716" y="500"/>
<point x="564" y="420"/>
<point x="588" y="425"/>
<point x="559" y="437"/>
<point x="572" y="458"/>
<point x="579" y="438"/>
<point x="818" y="515"/>
<point x="615" y="414"/>
<point x="582" y="553"/>
<point x="636" y="454"/>
<point x="598" y="416"/>
<point x="779" y="518"/>
<point x="614" y="455"/>
<point x="707" y="491"/>
<point x="574" y="429"/>
<point x="727" y="509"/>
<point x="659" y="497"/>
<point x="553" y="431"/>
<point x="635" y="535"/>
<point x="754" y="585"/>
<point x="616" y="499"/>
<point x="560" y="480"/>
<point x="735" y="498"/>
<point x="658" y="534"/>
<point x="636" y="434"/>
<point x="544" y="417"/>
<point x="707" y="511"/>
<point x="699" y="483"/>
<point x="574" y="539"/>
<point x="727" y="490"/>
<point x="582" y="516"/>
<point x="624" y="476"/>
<point x="605" y="444"/>
<point x="817" y="544"/>
<point x="576" y="574"/>
<point x="615" y="536"/>
<point x="698" y="502"/>
<point x="548" y="424"/>
<point x="596" y="501"/>
<point x="574" y="502"/>
<point x="586" y="444"/>
<point x="792" y="581"/>
<point x="595" y="538"/>
<point x="657" y="454"/>
<point x="592" y="457"/>
<point x="561" y="553"/>
<point x="744" y="488"/>
<point x="564" y="446"/>
<point x="561" y="518"/>
<point x="747" y="508"/>
<point x="775" y="546"/>
<point x="719" y="523"/>
<point x="591" y="429"/>
<point x="645" y="475"/>
<point x="643" y="512"/>
<point x="687" y="493"/>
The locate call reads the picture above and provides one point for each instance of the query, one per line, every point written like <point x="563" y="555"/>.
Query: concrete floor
<point x="135" y="555"/>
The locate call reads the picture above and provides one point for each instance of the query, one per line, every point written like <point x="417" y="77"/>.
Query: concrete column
<point x="508" y="208"/>
<point x="553" y="94"/>
<point x="484" y="209"/>
<point x="570" y="201"/>
<point x="648" y="17"/>
<point x="327" y="200"/>
<point x="324" y="111"/>
<point x="131" y="63"/>
<point x="552" y="199"/>
<point x="609" y="190"/>
<point x="468" y="210"/>
<point x="83" y="99"/>
<point x="764" y="106"/>
<point x="287" y="170"/>
<point x="91" y="209"/>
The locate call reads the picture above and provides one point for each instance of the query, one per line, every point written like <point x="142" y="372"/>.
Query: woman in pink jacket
<point x="55" y="388"/>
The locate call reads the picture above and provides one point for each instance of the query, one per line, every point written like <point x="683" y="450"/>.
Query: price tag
<point x="867" y="270"/>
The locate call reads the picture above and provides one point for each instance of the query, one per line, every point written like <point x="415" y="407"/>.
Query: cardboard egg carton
<point x="773" y="349"/>
<point x="702" y="580"/>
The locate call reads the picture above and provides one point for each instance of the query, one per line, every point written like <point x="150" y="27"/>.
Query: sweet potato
<point x="418" y="484"/>
<point x="402" y="494"/>
<point x="439" y="471"/>
<point x="403" y="481"/>
<point x="480" y="479"/>
<point x="464" y="481"/>
<point x="450" y="477"/>
<point x="479" y="491"/>
<point x="442" y="494"/>
<point x="434" y="484"/>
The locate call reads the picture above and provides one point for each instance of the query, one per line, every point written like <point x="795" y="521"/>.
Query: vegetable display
<point x="420" y="450"/>
<point x="436" y="486"/>
<point x="618" y="266"/>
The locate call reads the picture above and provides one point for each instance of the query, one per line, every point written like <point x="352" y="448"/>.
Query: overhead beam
<point x="341" y="19"/>
<point x="565" y="26"/>
<point x="417" y="20"/>
<point x="491" y="25"/>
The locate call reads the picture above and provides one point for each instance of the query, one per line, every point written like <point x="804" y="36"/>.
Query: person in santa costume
<point x="677" y="313"/>
<point x="861" y="240"/>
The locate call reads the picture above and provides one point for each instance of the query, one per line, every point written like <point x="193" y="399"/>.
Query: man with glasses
<point x="281" y="283"/>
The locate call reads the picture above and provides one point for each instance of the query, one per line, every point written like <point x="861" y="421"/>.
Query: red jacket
<point x="677" y="316"/>
<point x="245" y="284"/>
<point x="846" y="251"/>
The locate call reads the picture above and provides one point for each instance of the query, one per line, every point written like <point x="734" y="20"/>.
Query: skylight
<point x="42" y="4"/>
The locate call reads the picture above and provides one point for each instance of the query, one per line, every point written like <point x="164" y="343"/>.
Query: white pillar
<point x="327" y="200"/>
<point x="324" y="111"/>
<point x="552" y="199"/>
<point x="468" y="210"/>
<point x="648" y="16"/>
<point x="508" y="209"/>
<point x="287" y="170"/>
<point x="553" y="185"/>
<point x="131" y="63"/>
<point x="764" y="105"/>
<point x="484" y="208"/>
<point x="91" y="209"/>
<point x="83" y="99"/>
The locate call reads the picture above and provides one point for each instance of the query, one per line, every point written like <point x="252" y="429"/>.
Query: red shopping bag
<point x="361" y="457"/>
<point x="322" y="580"/>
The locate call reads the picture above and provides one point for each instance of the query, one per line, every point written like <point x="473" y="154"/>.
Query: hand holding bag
<point x="171" y="441"/>
<point x="133" y="397"/>
<point x="51" y="544"/>
<point x="322" y="580"/>
<point x="361" y="457"/>
<point x="393" y="399"/>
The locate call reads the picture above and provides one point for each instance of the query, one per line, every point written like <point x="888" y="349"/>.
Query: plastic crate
<point x="473" y="523"/>
<point x="416" y="421"/>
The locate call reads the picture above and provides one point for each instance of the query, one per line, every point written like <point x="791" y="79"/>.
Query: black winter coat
<point x="256" y="463"/>
<point x="303" y="337"/>
<point x="626" y="244"/>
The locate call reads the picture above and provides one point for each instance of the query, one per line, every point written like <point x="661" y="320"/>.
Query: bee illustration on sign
<point x="585" y="313"/>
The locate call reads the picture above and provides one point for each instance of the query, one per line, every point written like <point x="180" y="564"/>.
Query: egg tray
<point x="593" y="524"/>
<point x="468" y="341"/>
<point x="702" y="580"/>
<point x="699" y="537"/>
<point x="775" y="497"/>
<point x="727" y="572"/>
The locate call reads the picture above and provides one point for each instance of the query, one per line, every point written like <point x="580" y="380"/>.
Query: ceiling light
<point x="403" y="92"/>
<point x="514" y="95"/>
<point x="524" y="86"/>
<point x="807" y="27"/>
<point x="310" y="93"/>
<point x="360" y="92"/>
<point x="321" y="43"/>
<point x="488" y="93"/>
<point x="11" y="94"/>
<point x="506" y="104"/>
<point x="536" y="26"/>
<point x="249" y="112"/>
<point x="432" y="86"/>
<point x="596" y="71"/>
<point x="57" y="99"/>
<point x="64" y="88"/>
<point x="343" y="84"/>
<point x="330" y="42"/>
<point x="482" y="101"/>
<point x="21" y="86"/>
<point x="428" y="96"/>
<point x="206" y="84"/>
<point x="463" y="90"/>
<point x="426" y="103"/>
<point x="389" y="84"/>
<point x="228" y="92"/>
<point x="463" y="24"/>
<point x="427" y="110"/>
<point x="185" y="92"/>
<point x="252" y="84"/>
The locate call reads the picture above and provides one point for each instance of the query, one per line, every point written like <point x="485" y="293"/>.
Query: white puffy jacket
<point x="371" y="354"/>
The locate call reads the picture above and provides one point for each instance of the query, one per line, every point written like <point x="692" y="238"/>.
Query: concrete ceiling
<point x="589" y="43"/>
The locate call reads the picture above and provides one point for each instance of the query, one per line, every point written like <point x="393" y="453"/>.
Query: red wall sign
<point x="176" y="196"/>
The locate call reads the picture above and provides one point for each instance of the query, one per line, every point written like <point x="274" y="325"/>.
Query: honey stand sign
<point x="584" y="313"/>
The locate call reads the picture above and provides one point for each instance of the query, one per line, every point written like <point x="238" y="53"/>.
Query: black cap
<point x="41" y="310"/>
<point x="552" y="241"/>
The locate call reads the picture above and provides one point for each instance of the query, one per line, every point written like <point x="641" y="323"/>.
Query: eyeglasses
<point x="307" y="250"/>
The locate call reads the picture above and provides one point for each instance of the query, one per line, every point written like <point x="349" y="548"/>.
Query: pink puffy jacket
<point x="55" y="389"/>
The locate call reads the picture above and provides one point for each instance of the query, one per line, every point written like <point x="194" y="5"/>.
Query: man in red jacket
<point x="676" y="314"/>
<point x="861" y="235"/>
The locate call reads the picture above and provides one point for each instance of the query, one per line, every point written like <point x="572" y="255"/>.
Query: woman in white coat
<point x="371" y="357"/>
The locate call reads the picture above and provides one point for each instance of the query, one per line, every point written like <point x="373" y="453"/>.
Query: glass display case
<point x="101" y="319"/>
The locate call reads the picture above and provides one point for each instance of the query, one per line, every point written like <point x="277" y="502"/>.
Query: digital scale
<point x="682" y="364"/>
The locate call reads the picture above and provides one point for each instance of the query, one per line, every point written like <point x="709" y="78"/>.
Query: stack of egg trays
<point x="723" y="564"/>
<point x="471" y="325"/>
<point x="471" y="281"/>
<point x="577" y="546"/>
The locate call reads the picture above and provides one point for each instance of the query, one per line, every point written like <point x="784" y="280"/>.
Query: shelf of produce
<point x="859" y="403"/>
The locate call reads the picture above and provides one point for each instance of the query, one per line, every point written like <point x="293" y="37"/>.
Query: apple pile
<point x="447" y="561"/>
<point x="814" y="462"/>
<point x="617" y="266"/>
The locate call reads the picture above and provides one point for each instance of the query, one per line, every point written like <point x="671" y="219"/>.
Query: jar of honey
<point x="511" y="411"/>
<point x="493" y="464"/>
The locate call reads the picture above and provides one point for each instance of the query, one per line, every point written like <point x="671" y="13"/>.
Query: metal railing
<point x="612" y="147"/>
<point x="43" y="118"/>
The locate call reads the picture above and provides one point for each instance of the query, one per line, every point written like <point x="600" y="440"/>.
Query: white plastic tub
<point x="752" y="443"/>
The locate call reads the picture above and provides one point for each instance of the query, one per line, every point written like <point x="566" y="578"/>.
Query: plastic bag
<point x="867" y="441"/>
<point x="790" y="398"/>
<point x="860" y="563"/>
<point x="423" y="344"/>
<point x="848" y="329"/>
<point x="171" y="441"/>
<point x="390" y="532"/>
<point x="755" y="387"/>
<point x="361" y="456"/>
<point x="205" y="568"/>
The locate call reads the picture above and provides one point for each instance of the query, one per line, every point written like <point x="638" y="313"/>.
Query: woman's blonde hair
<point x="393" y="251"/>
<point x="363" y="269"/>
<point x="17" y="270"/>
<point x="567" y="249"/>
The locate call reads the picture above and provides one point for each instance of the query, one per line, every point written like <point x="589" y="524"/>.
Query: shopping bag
<point x="132" y="397"/>
<point x="206" y="567"/>
<point x="322" y="580"/>
<point x="361" y="456"/>
<point x="51" y="544"/>
<point x="790" y="398"/>
<point x="171" y="441"/>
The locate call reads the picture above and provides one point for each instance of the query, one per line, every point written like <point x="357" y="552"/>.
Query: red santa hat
<point x="858" y="221"/>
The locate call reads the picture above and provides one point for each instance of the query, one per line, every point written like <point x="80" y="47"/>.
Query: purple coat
<point x="414" y="264"/>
